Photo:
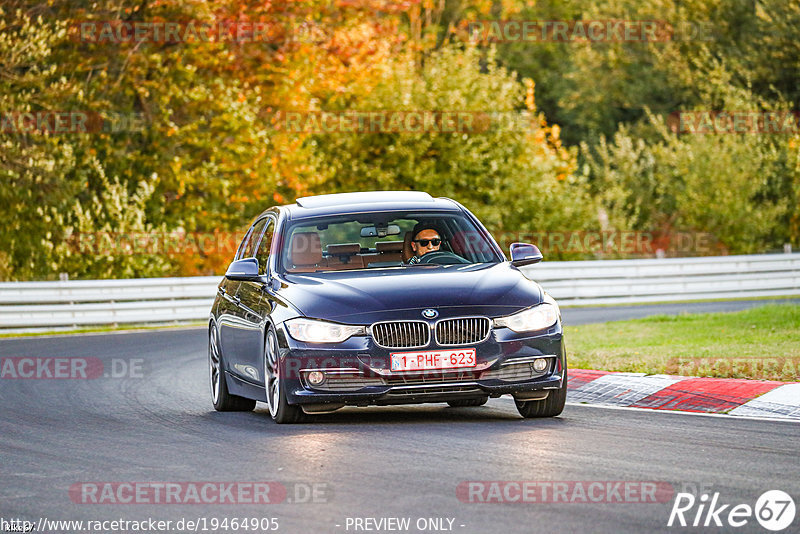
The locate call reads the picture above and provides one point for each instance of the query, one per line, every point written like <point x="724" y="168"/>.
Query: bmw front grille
<point x="414" y="334"/>
<point x="462" y="331"/>
<point x="401" y="334"/>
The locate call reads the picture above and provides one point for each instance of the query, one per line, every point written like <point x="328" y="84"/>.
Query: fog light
<point x="315" y="378"/>
<point x="539" y="365"/>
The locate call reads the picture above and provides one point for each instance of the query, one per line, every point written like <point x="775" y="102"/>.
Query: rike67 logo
<point x="774" y="510"/>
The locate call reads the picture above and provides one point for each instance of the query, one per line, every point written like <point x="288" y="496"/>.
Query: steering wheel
<point x="442" y="257"/>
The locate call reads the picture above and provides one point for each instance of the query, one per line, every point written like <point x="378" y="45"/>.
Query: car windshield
<point x="381" y="239"/>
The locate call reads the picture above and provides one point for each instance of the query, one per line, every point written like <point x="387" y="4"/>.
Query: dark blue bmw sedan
<point x="381" y="298"/>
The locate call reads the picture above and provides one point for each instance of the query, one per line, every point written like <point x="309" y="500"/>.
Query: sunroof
<point x="367" y="197"/>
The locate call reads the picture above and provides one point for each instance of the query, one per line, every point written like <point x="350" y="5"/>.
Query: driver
<point x="426" y="239"/>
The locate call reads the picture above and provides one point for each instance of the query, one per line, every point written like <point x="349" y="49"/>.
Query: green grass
<point x="762" y="342"/>
<point x="688" y="301"/>
<point x="100" y="329"/>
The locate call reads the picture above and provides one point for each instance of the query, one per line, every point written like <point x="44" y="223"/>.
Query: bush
<point x="516" y="176"/>
<point x="742" y="188"/>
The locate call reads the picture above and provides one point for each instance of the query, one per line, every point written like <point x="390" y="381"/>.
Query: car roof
<point x="367" y="201"/>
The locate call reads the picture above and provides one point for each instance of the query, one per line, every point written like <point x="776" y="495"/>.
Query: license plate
<point x="435" y="359"/>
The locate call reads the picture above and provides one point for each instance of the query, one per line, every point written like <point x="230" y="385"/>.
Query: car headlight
<point x="550" y="300"/>
<point x="313" y="331"/>
<point x="539" y="317"/>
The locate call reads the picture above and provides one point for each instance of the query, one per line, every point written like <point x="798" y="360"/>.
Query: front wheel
<point x="549" y="407"/>
<point x="279" y="408"/>
<point x="222" y="399"/>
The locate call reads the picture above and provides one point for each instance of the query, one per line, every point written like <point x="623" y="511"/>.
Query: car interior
<point x="307" y="254"/>
<point x="314" y="248"/>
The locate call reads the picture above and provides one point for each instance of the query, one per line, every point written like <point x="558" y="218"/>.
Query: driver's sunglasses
<point x="424" y="242"/>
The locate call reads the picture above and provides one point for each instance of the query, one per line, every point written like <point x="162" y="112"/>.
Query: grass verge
<point x="100" y="329"/>
<point x="762" y="343"/>
<point x="689" y="301"/>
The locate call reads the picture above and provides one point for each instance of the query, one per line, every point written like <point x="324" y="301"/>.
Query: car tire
<point x="465" y="403"/>
<point x="220" y="396"/>
<point x="279" y="408"/>
<point x="552" y="406"/>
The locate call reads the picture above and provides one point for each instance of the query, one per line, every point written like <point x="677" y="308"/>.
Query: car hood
<point x="364" y="296"/>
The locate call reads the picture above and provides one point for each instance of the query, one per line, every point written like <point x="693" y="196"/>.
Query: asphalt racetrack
<point x="153" y="422"/>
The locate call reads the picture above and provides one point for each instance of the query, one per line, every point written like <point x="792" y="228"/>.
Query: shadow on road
<point x="428" y="416"/>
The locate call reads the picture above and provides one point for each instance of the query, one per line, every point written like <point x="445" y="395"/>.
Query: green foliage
<point x="192" y="152"/>
<point x="515" y="176"/>
<point x="37" y="172"/>
<point x="590" y="88"/>
<point x="738" y="187"/>
<point x="204" y="157"/>
<point x="104" y="238"/>
<point x="723" y="55"/>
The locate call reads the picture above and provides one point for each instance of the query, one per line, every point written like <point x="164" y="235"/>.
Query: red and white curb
<point x="753" y="398"/>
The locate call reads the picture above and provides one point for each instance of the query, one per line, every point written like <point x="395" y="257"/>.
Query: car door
<point x="231" y="316"/>
<point x="256" y="302"/>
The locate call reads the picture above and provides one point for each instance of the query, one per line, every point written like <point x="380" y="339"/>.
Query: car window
<point x="345" y="243"/>
<point x="243" y="244"/>
<point x="248" y="250"/>
<point x="262" y="252"/>
<point x="350" y="232"/>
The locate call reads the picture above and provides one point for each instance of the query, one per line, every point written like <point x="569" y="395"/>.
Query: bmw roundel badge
<point x="430" y="313"/>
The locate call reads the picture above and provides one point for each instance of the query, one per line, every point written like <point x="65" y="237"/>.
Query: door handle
<point x="227" y="296"/>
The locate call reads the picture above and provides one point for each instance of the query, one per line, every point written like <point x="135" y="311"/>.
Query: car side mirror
<point x="524" y="254"/>
<point x="244" y="270"/>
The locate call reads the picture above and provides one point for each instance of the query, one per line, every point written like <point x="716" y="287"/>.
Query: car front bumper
<point x="358" y="372"/>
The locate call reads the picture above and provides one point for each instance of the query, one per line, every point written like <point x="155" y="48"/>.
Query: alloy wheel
<point x="213" y="364"/>
<point x="272" y="373"/>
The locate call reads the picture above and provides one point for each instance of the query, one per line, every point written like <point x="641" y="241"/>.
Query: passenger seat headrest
<point x="389" y="246"/>
<point x="305" y="249"/>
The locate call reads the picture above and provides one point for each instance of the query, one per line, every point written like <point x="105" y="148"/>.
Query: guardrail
<point x="36" y="305"/>
<point x="670" y="279"/>
<point x="77" y="303"/>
